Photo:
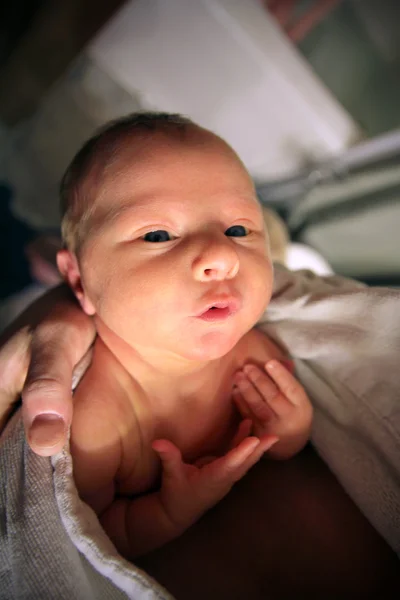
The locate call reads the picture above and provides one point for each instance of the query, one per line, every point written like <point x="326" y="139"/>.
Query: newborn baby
<point x="166" y="247"/>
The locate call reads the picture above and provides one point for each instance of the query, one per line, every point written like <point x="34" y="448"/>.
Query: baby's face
<point x="177" y="258"/>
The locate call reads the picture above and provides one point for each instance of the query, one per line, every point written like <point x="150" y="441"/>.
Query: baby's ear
<point x="69" y="269"/>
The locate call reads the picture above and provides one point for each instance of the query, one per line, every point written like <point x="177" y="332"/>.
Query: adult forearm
<point x="139" y="526"/>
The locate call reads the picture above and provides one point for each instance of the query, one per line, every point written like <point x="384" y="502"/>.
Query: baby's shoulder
<point x="100" y="388"/>
<point x="105" y="433"/>
<point x="256" y="347"/>
<point x="103" y="405"/>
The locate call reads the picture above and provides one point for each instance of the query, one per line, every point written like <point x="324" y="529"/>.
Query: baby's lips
<point x="288" y="364"/>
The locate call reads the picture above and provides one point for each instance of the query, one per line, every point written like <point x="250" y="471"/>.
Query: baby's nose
<point x="217" y="260"/>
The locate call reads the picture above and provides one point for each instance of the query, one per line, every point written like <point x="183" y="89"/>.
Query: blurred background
<point x="306" y="91"/>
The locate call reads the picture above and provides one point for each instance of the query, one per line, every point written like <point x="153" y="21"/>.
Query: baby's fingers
<point x="242" y="433"/>
<point x="240" y="404"/>
<point x="255" y="389"/>
<point x="171" y="459"/>
<point x="265" y="443"/>
<point x="231" y="467"/>
<point x="290" y="387"/>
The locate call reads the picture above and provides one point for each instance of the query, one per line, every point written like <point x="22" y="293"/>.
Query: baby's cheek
<point x="262" y="296"/>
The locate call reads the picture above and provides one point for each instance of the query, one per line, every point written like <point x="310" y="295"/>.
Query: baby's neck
<point x="162" y="374"/>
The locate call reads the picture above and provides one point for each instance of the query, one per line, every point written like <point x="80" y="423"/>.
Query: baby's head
<point x="89" y="168"/>
<point x="165" y="239"/>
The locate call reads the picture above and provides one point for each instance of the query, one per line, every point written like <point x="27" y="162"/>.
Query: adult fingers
<point x="290" y="387"/>
<point x="14" y="361"/>
<point x="58" y="344"/>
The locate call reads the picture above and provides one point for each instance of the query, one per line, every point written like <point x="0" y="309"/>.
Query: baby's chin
<point x="210" y="346"/>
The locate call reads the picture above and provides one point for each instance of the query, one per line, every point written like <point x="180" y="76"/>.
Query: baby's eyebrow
<point x="116" y="212"/>
<point x="244" y="208"/>
<point x="152" y="207"/>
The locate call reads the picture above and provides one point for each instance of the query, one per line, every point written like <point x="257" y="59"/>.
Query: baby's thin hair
<point x="104" y="146"/>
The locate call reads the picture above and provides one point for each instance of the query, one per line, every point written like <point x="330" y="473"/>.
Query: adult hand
<point x="14" y="361"/>
<point x="59" y="342"/>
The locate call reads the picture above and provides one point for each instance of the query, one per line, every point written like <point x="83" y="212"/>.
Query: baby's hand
<point x="187" y="491"/>
<point x="277" y="404"/>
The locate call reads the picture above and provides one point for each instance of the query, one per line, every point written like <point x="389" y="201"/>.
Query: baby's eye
<point x="157" y="236"/>
<point x="237" y="231"/>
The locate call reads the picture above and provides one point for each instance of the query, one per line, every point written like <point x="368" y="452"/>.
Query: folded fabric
<point x="345" y="339"/>
<point x="51" y="543"/>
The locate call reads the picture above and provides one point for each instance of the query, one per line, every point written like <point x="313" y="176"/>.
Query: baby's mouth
<point x="215" y="313"/>
<point x="219" y="311"/>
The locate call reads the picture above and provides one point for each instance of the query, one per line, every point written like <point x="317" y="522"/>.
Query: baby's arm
<point x="277" y="404"/>
<point x="145" y="523"/>
<point x="139" y="525"/>
<point x="135" y="525"/>
<point x="95" y="448"/>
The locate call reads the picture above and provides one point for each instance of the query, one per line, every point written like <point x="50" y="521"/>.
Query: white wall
<point x="226" y="64"/>
<point x="40" y="149"/>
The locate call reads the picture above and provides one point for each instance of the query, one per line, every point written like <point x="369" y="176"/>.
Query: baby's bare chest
<point x="200" y="427"/>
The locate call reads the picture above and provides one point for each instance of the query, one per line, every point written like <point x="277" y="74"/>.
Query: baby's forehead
<point x="135" y="153"/>
<point x="176" y="164"/>
<point x="158" y="143"/>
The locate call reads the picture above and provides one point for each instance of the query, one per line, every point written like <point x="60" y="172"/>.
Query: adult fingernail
<point x="47" y="431"/>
